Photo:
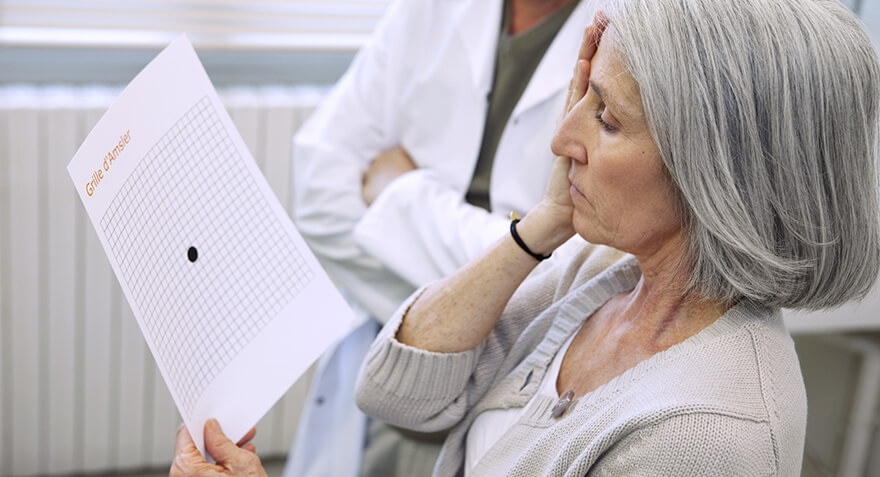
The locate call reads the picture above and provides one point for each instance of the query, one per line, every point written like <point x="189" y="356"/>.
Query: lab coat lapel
<point x="555" y="69"/>
<point x="479" y="24"/>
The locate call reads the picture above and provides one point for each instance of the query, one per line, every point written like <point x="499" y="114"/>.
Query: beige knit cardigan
<point x="729" y="401"/>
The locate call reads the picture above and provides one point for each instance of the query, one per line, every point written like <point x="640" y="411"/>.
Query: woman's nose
<point x="569" y="137"/>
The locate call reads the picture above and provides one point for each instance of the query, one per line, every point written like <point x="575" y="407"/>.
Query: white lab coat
<point x="422" y="82"/>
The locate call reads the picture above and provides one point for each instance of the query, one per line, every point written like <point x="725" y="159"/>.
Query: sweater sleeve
<point x="694" y="444"/>
<point x="427" y="391"/>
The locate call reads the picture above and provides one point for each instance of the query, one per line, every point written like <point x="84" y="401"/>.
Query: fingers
<point x="188" y="461"/>
<point x="601" y="21"/>
<point x="247" y="437"/>
<point x="589" y="44"/>
<point x="383" y="170"/>
<point x="218" y="445"/>
<point x="570" y="98"/>
<point x="239" y="461"/>
<point x="183" y="444"/>
<point x="557" y="189"/>
<point x="396" y="159"/>
<point x="579" y="83"/>
<point x="577" y="87"/>
<point x="404" y="156"/>
<point x="592" y="36"/>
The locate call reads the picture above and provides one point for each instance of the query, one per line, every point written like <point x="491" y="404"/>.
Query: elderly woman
<point x="719" y="158"/>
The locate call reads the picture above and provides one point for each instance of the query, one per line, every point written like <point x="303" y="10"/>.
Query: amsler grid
<point x="195" y="239"/>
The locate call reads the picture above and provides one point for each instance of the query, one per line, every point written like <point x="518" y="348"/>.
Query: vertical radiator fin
<point x="79" y="390"/>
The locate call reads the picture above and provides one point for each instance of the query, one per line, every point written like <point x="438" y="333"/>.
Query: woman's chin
<point x="586" y="228"/>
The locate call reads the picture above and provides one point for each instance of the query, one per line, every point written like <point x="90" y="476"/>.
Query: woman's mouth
<point x="574" y="191"/>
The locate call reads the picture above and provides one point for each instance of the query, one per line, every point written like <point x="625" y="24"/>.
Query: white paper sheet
<point x="231" y="302"/>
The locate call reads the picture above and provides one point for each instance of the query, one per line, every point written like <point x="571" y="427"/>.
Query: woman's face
<point x="621" y="195"/>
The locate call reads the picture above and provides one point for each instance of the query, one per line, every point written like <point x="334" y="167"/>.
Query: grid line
<point x="193" y="189"/>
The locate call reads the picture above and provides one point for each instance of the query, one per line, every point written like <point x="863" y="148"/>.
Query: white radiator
<point x="79" y="391"/>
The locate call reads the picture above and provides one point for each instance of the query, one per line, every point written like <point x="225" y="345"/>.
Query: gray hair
<point x="765" y="113"/>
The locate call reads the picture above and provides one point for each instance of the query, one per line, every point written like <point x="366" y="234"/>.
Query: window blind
<point x="211" y="24"/>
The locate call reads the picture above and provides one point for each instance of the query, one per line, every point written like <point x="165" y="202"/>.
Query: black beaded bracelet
<point x="514" y="219"/>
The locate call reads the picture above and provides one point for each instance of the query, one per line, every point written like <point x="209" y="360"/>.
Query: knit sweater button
<point x="562" y="404"/>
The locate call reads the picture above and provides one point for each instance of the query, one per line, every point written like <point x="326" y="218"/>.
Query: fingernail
<point x="213" y="423"/>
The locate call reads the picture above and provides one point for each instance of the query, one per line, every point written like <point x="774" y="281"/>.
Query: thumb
<point x="557" y="188"/>
<point x="218" y="445"/>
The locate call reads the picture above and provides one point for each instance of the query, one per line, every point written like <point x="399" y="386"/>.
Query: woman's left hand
<point x="386" y="167"/>
<point x="233" y="460"/>
<point x="580" y="79"/>
<point x="548" y="225"/>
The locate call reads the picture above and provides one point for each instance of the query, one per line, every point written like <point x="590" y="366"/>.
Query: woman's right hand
<point x="233" y="460"/>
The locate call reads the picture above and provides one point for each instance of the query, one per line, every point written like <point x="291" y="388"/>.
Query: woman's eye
<point x="602" y="122"/>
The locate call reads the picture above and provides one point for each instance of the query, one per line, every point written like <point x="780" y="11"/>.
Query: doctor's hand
<point x="233" y="460"/>
<point x="386" y="167"/>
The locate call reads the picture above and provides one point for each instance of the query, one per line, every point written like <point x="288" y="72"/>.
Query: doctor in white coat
<point x="422" y="84"/>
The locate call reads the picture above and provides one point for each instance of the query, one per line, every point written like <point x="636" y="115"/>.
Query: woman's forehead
<point x="613" y="82"/>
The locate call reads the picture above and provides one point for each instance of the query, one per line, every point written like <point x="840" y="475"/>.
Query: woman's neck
<point x="528" y="13"/>
<point x="659" y="308"/>
<point x="665" y="317"/>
